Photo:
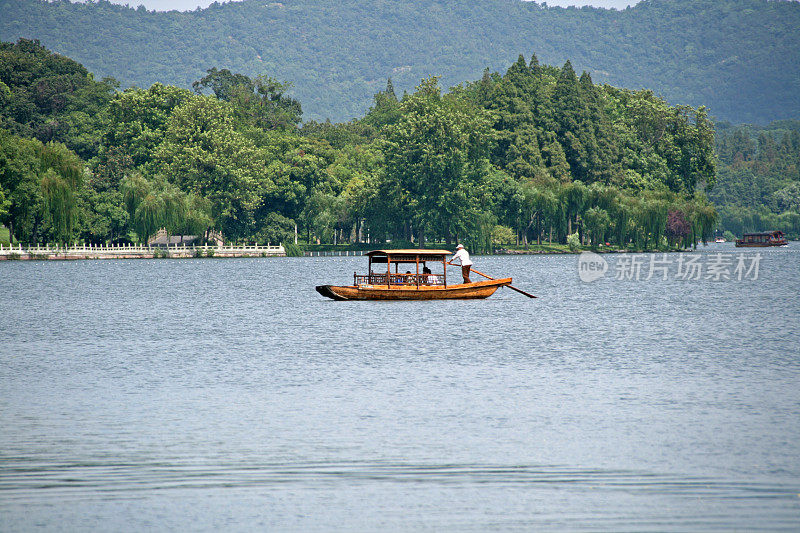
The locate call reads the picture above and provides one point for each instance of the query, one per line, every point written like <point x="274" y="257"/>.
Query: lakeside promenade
<point x="90" y="251"/>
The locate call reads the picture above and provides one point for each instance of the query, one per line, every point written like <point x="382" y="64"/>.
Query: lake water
<point x="227" y="394"/>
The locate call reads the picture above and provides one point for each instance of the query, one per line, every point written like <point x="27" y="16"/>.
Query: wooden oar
<point x="513" y="288"/>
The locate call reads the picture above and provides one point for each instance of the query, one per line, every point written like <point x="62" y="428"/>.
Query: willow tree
<point x="175" y="208"/>
<point x="197" y="220"/>
<point x="61" y="174"/>
<point x="59" y="206"/>
<point x="157" y="204"/>
<point x="541" y="207"/>
<point x="573" y="196"/>
<point x="134" y="189"/>
<point x="149" y="216"/>
<point x="602" y="196"/>
<point x="702" y="217"/>
<point x="144" y="205"/>
<point x="597" y="222"/>
<point x="653" y="219"/>
<point x="621" y="220"/>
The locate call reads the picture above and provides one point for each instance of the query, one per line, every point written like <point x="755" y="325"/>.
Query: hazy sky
<point x="184" y="5"/>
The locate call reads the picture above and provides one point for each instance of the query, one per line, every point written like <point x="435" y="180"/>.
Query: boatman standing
<point x="463" y="258"/>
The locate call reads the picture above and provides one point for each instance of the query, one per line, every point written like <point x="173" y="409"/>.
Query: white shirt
<point x="463" y="256"/>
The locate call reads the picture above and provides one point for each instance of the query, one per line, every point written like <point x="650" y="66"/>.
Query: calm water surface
<point x="227" y="394"/>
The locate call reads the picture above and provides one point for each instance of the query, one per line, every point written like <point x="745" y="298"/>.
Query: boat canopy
<point x="776" y="233"/>
<point x="407" y="256"/>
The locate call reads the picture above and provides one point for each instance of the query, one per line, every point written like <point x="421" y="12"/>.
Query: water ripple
<point x="18" y="477"/>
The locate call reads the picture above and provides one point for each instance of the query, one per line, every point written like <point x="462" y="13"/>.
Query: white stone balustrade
<point x="95" y="251"/>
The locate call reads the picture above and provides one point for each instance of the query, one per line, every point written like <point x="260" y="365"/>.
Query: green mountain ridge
<point x="738" y="57"/>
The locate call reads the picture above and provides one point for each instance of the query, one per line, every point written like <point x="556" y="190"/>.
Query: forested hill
<point x="738" y="57"/>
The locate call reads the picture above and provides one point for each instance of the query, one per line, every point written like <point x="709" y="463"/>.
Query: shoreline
<point x="24" y="254"/>
<point x="92" y="252"/>
<point x="77" y="253"/>
<point x="578" y="252"/>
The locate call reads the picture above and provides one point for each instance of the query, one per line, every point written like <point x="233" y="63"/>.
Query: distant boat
<point x="418" y="285"/>
<point x="762" y="239"/>
<point x="720" y="239"/>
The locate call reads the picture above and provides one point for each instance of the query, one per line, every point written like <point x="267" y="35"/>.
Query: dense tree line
<point x="758" y="186"/>
<point x="535" y="154"/>
<point x="738" y="57"/>
<point x="51" y="97"/>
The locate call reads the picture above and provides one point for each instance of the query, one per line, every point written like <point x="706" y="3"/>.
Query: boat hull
<point x="760" y="244"/>
<point x="464" y="291"/>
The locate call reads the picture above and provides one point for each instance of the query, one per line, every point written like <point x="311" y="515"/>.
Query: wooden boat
<point x="761" y="239"/>
<point x="409" y="286"/>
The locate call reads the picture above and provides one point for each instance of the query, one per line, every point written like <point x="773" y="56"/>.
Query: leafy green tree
<point x="261" y="102"/>
<point x="103" y="217"/>
<point x="51" y="97"/>
<point x="339" y="136"/>
<point x="276" y="229"/>
<point x="436" y="156"/>
<point x="597" y="222"/>
<point x="386" y="109"/>
<point x="536" y="149"/>
<point x="5" y="204"/>
<point x="203" y="154"/>
<point x="138" y="122"/>
<point x="360" y="169"/>
<point x="225" y="84"/>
